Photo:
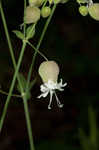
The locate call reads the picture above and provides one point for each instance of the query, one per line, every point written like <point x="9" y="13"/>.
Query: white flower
<point x="49" y="88"/>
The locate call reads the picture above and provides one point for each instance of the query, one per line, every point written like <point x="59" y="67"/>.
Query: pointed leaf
<point x="32" y="83"/>
<point x="28" y="95"/>
<point x="19" y="34"/>
<point x="23" y="82"/>
<point x="30" y="32"/>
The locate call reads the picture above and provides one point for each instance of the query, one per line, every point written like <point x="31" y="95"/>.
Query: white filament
<point x="49" y="88"/>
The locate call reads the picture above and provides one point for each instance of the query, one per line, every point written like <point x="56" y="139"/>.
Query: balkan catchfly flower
<point x="49" y="71"/>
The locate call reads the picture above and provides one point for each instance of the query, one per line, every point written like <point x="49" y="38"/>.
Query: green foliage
<point x="30" y="32"/>
<point x="19" y="34"/>
<point x="23" y="84"/>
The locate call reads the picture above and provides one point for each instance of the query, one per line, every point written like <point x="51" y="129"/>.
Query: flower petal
<point x="43" y="94"/>
<point x="50" y="87"/>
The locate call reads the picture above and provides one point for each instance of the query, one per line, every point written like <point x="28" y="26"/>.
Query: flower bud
<point x="45" y="12"/>
<point x="83" y="10"/>
<point x="37" y="3"/>
<point x="32" y="14"/>
<point x="49" y="70"/>
<point x="81" y="1"/>
<point x="94" y="11"/>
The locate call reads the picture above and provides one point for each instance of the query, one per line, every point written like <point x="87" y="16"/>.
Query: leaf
<point x="28" y="95"/>
<point x="30" y="32"/>
<point x="23" y="82"/>
<point x="19" y="34"/>
<point x="32" y="83"/>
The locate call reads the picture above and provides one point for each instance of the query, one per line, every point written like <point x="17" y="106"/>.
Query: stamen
<point x="51" y="95"/>
<point x="58" y="102"/>
<point x="49" y="88"/>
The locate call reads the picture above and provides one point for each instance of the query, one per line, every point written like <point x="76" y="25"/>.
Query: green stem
<point x="13" y="82"/>
<point x="38" y="45"/>
<point x="45" y="28"/>
<point x="14" y="95"/>
<point x="24" y="20"/>
<point x="38" y="51"/>
<point x="28" y="122"/>
<point x="12" y="87"/>
<point x="7" y="35"/>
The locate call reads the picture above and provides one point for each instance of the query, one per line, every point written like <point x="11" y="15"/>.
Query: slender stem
<point x="38" y="45"/>
<point x="28" y="122"/>
<point x="12" y="87"/>
<point x="24" y="20"/>
<point x="13" y="82"/>
<point x="45" y="28"/>
<point x="14" y="95"/>
<point x="44" y="3"/>
<point x="38" y="51"/>
<point x="15" y="75"/>
<point x="7" y="35"/>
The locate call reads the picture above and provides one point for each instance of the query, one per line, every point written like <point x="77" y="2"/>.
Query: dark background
<point x="73" y="42"/>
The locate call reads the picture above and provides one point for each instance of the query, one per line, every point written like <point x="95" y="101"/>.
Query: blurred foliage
<point x="90" y="142"/>
<point x="55" y="145"/>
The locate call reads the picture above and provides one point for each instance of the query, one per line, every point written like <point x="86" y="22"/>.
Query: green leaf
<point x="28" y="95"/>
<point x="30" y="32"/>
<point x="23" y="82"/>
<point x="19" y="34"/>
<point x="32" y="83"/>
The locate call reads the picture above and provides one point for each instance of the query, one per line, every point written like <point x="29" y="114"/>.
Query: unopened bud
<point x="45" y="11"/>
<point x="32" y="14"/>
<point x="94" y="11"/>
<point x="83" y="10"/>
